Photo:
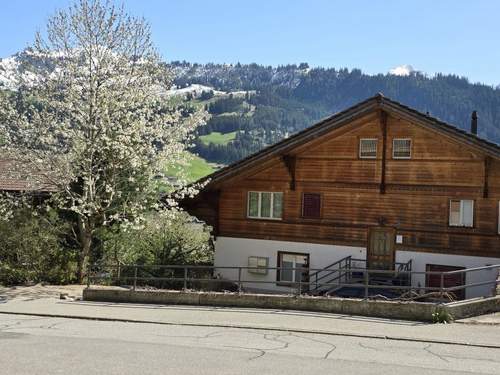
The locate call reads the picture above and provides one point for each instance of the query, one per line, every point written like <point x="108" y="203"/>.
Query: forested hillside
<point x="252" y="106"/>
<point x="271" y="103"/>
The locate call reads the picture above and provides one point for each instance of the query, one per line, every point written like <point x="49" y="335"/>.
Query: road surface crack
<point x="427" y="349"/>
<point x="261" y="352"/>
<point x="330" y="351"/>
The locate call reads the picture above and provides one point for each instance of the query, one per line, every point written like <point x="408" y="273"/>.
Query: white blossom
<point x="94" y="128"/>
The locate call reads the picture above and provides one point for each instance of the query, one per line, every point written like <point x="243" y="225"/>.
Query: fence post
<point x="239" y="279"/>
<point x="299" y="290"/>
<point x="441" y="288"/>
<point x="135" y="277"/>
<point x="89" y="272"/>
<point x="119" y="274"/>
<point x="185" y="277"/>
<point x="366" y="283"/>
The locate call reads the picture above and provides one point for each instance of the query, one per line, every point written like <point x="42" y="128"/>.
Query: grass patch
<point x="218" y="138"/>
<point x="195" y="169"/>
<point x="198" y="168"/>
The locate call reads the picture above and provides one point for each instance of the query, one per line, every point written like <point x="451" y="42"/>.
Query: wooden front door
<point x="380" y="251"/>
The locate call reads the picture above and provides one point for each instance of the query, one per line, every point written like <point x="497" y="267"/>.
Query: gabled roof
<point x="377" y="102"/>
<point x="28" y="182"/>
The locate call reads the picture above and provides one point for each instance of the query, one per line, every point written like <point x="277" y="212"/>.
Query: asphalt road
<point x="37" y="345"/>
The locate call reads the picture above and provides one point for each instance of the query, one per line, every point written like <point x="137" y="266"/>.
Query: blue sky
<point x="460" y="36"/>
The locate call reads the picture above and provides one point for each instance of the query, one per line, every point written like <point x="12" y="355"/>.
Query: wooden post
<point x="290" y="163"/>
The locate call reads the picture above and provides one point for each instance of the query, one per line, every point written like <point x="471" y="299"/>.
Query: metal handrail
<point x="240" y="281"/>
<point x="329" y="271"/>
<point x="327" y="268"/>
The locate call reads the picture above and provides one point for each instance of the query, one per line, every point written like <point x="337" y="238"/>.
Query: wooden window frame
<point x="376" y="148"/>
<point x="473" y="213"/>
<point x="320" y="207"/>
<point x="278" y="264"/>
<point x="271" y="211"/>
<point x="402" y="157"/>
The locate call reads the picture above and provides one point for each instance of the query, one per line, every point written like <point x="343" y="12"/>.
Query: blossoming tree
<point x="89" y="122"/>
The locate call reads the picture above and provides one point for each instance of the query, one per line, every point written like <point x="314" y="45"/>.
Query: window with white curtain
<point x="461" y="213"/>
<point x="265" y="205"/>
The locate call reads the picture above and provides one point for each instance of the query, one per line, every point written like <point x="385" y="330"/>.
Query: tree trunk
<point x="85" y="238"/>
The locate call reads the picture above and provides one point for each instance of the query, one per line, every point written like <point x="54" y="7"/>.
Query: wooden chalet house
<point x="379" y="183"/>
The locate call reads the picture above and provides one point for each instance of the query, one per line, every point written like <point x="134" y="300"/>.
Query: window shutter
<point x="311" y="205"/>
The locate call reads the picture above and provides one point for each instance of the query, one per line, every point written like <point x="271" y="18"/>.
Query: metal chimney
<point x="473" y="123"/>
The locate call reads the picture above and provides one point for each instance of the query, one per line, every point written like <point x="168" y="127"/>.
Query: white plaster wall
<point x="230" y="251"/>
<point x="420" y="260"/>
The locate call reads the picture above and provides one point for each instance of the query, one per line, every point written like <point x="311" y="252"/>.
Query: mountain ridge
<point x="260" y="105"/>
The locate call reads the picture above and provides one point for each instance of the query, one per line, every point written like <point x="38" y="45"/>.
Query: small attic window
<point x="401" y="148"/>
<point x="368" y="148"/>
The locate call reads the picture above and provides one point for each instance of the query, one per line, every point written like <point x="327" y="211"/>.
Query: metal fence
<point x="205" y="277"/>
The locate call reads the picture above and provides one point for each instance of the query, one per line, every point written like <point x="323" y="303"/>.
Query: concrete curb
<point x="476" y="323"/>
<point x="279" y="329"/>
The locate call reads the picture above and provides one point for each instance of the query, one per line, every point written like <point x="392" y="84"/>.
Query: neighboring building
<point x="14" y="181"/>
<point x="379" y="182"/>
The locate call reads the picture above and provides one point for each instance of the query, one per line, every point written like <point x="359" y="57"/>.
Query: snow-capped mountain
<point x="264" y="103"/>
<point x="20" y="65"/>
<point x="402" y="70"/>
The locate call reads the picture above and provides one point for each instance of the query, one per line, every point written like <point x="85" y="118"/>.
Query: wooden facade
<point x="408" y="195"/>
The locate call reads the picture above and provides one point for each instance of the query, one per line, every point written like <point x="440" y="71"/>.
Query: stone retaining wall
<point x="419" y="311"/>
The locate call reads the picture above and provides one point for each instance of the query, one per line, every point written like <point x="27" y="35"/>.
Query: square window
<point x="401" y="148"/>
<point x="293" y="267"/>
<point x="368" y="148"/>
<point x="260" y="264"/>
<point x="311" y="205"/>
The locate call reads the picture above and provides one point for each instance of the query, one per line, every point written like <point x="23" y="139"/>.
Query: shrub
<point x="32" y="249"/>
<point x="163" y="240"/>
<point x="173" y="240"/>
<point x="441" y="315"/>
